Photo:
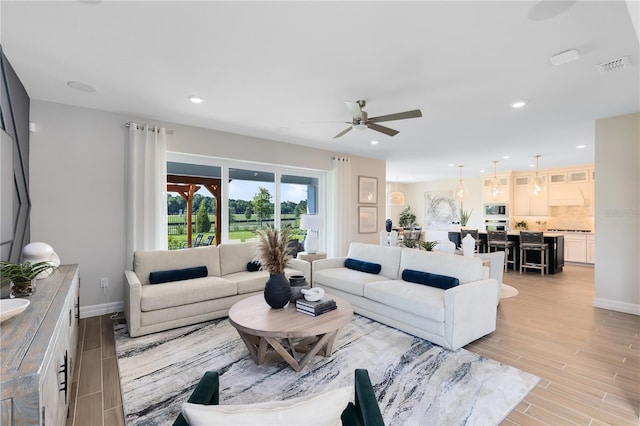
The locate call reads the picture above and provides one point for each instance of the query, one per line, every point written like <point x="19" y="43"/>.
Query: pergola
<point x="186" y="187"/>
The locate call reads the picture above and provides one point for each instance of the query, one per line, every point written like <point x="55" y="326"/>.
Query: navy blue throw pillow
<point x="253" y="266"/>
<point x="433" y="280"/>
<point x="363" y="266"/>
<point x="159" y="277"/>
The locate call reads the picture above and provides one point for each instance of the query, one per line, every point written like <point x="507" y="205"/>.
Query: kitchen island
<point x="555" y="241"/>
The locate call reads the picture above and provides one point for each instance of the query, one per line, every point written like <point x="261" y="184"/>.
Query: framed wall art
<point x="367" y="220"/>
<point x="367" y="190"/>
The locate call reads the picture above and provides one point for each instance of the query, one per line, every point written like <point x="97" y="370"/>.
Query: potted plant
<point x="407" y="218"/>
<point x="464" y="216"/>
<point x="23" y="275"/>
<point x="428" y="245"/>
<point x="273" y="254"/>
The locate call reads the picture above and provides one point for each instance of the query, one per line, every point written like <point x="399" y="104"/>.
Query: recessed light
<point x="481" y="170"/>
<point x="518" y="104"/>
<point x="581" y="146"/>
<point x="451" y="164"/>
<point x="82" y="87"/>
<point x="196" y="99"/>
<point x="505" y="157"/>
<point x="374" y="142"/>
<point x="532" y="165"/>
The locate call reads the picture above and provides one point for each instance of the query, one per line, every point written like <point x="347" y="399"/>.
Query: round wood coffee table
<point x="290" y="333"/>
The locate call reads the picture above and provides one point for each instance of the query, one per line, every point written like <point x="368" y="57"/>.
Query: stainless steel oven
<point x="496" y="224"/>
<point x="496" y="210"/>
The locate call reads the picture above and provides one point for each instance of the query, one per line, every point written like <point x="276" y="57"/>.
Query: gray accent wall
<point x="14" y="120"/>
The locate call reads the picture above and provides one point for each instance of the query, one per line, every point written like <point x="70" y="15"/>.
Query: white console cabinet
<point x="37" y="353"/>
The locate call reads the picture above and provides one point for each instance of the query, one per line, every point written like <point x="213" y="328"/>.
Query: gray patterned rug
<point x="417" y="383"/>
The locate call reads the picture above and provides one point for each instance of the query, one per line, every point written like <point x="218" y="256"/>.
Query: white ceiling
<point x="281" y="70"/>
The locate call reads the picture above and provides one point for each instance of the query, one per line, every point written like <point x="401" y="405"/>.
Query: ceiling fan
<point x="362" y="121"/>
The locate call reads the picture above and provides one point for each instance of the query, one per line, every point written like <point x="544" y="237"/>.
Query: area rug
<point x="416" y="382"/>
<point x="508" y="291"/>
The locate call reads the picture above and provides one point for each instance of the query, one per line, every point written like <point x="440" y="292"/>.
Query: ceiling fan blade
<point x="397" y="116"/>
<point x="382" y="129"/>
<point x="343" y="132"/>
<point x="355" y="110"/>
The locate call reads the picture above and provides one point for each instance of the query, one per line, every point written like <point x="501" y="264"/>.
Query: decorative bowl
<point x="313" y="294"/>
<point x="12" y="307"/>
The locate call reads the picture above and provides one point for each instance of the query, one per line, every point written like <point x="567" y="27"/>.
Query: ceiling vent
<point x="615" y="65"/>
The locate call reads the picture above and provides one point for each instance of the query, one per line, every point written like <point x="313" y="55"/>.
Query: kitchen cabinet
<point x="37" y="353"/>
<point x="505" y="190"/>
<point x="525" y="203"/>
<point x="575" y="248"/>
<point x="579" y="248"/>
<point x="591" y="249"/>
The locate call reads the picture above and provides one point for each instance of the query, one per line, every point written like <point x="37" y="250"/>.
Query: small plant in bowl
<point x="22" y="275"/>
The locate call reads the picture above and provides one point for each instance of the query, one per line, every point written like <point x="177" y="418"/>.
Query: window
<point x="244" y="200"/>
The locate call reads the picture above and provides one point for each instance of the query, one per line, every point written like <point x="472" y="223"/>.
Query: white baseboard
<point x="614" y="305"/>
<point x="102" y="309"/>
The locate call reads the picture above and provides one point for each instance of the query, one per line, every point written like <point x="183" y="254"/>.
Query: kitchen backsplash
<point x="560" y="217"/>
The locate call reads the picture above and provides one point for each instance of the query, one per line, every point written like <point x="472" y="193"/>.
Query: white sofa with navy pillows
<point x="447" y="299"/>
<point x="173" y="288"/>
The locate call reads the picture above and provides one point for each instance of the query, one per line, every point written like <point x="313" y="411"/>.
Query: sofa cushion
<point x="466" y="269"/>
<point x="362" y="266"/>
<point x="317" y="409"/>
<point x="344" y="279"/>
<point x="420" y="300"/>
<point x="234" y="257"/>
<point x="426" y="278"/>
<point x="147" y="261"/>
<point x="387" y="257"/>
<point x="159" y="277"/>
<point x="167" y="295"/>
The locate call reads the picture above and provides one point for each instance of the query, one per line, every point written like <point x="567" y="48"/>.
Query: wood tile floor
<point x="588" y="358"/>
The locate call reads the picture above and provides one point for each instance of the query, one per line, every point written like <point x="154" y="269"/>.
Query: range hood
<point x="565" y="195"/>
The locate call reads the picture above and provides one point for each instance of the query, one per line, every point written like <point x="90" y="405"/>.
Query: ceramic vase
<point x="298" y="282"/>
<point x="388" y="224"/>
<point x="277" y="291"/>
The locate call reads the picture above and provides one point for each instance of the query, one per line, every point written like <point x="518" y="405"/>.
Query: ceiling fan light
<point x="396" y="198"/>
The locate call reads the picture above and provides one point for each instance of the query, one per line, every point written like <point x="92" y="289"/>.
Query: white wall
<point x="77" y="186"/>
<point x="617" y="216"/>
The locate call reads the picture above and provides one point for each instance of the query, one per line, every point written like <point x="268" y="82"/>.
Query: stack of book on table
<point x="316" y="308"/>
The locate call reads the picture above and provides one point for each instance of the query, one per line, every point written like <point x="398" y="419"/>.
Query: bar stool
<point x="534" y="241"/>
<point x="498" y="241"/>
<point x="475" y="235"/>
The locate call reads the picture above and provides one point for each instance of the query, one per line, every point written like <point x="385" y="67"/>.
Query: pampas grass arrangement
<point x="272" y="249"/>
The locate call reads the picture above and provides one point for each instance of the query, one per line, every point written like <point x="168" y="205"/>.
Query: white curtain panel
<point x="147" y="189"/>
<point x="340" y="207"/>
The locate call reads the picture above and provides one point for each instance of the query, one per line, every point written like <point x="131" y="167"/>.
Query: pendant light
<point x="396" y="198"/>
<point x="460" y="188"/>
<point x="496" y="187"/>
<point x="537" y="184"/>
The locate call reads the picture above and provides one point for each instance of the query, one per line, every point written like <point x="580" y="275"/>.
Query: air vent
<point x="615" y="65"/>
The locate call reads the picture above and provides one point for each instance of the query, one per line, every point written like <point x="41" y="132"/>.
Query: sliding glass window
<point x="238" y="200"/>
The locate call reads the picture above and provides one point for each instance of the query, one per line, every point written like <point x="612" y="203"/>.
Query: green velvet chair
<point x="364" y="412"/>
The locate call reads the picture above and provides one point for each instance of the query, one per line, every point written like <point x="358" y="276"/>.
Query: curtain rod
<point x="169" y="132"/>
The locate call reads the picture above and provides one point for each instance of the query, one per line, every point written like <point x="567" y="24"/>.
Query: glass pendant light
<point x="537" y="184"/>
<point x="496" y="187"/>
<point x="460" y="188"/>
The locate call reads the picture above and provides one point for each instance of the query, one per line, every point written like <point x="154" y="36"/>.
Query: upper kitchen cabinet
<point x="504" y="194"/>
<point x="525" y="202"/>
<point x="572" y="187"/>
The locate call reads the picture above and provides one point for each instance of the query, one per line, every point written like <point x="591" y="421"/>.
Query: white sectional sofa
<point x="150" y="308"/>
<point x="450" y="318"/>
